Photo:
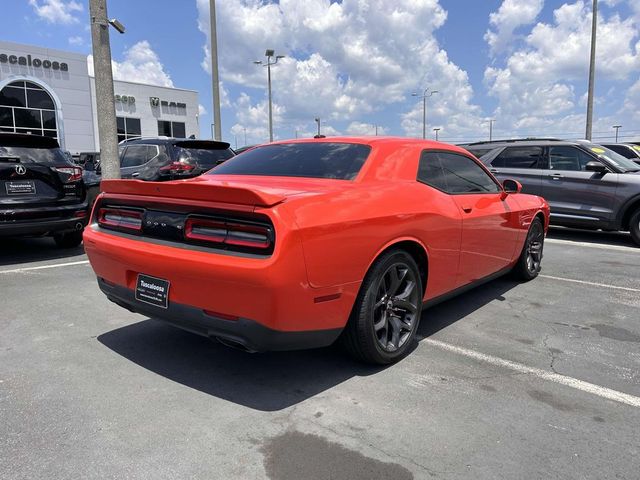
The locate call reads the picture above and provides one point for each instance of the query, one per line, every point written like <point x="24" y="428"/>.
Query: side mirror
<point x="511" y="186"/>
<point x="597" y="167"/>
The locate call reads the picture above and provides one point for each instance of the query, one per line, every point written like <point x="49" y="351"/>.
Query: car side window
<point x="568" y="158"/>
<point x="519" y="157"/>
<point x="136" y="155"/>
<point x="430" y="171"/>
<point x="454" y="173"/>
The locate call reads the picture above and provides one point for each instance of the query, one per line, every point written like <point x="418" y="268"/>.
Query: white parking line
<point x="602" y="246"/>
<point x="43" y="267"/>
<point x="571" y="382"/>
<point x="593" y="284"/>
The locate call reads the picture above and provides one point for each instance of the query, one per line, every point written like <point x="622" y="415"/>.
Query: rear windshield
<point x="49" y="156"/>
<point x="205" y="157"/>
<point x="340" y="161"/>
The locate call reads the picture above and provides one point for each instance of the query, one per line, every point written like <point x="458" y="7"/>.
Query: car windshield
<point x="616" y="159"/>
<point x="48" y="156"/>
<point x="336" y="160"/>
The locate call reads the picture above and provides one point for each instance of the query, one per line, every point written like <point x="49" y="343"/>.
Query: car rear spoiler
<point x="208" y="191"/>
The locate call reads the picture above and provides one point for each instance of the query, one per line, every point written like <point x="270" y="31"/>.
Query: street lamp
<point x="426" y="94"/>
<point x="270" y="54"/>
<point x="617" y="127"/>
<point x="436" y="130"/>
<point x="491" y="122"/>
<point x="317" y="120"/>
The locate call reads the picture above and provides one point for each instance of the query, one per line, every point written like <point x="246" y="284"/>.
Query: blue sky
<point x="355" y="63"/>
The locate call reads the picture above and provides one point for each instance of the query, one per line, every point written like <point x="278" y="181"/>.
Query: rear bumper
<point x="243" y="332"/>
<point x="271" y="296"/>
<point x="42" y="226"/>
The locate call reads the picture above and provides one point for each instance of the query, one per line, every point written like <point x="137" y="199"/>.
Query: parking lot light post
<point x="592" y="70"/>
<point x="317" y="120"/>
<point x="426" y="94"/>
<point x="491" y="122"/>
<point x="105" y="97"/>
<point x="617" y="127"/>
<point x="215" y="80"/>
<point x="436" y="130"/>
<point x="272" y="59"/>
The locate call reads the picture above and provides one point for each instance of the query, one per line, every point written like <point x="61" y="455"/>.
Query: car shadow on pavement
<point x="266" y="381"/>
<point x="590" y="236"/>
<point x="15" y="251"/>
<point x="262" y="381"/>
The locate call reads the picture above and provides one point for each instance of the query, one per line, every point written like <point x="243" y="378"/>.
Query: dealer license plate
<point x="24" y="187"/>
<point x="152" y="290"/>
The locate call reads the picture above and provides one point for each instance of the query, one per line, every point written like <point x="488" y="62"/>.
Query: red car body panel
<point x="328" y="233"/>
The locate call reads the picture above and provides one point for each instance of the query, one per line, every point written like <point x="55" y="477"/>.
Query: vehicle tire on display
<point x="634" y="227"/>
<point x="385" y="317"/>
<point x="530" y="261"/>
<point x="69" y="239"/>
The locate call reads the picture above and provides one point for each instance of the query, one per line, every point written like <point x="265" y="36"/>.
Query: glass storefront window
<point x="25" y="107"/>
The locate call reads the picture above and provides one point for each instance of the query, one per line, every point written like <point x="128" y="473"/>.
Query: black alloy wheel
<point x="385" y="317"/>
<point x="530" y="261"/>
<point x="394" y="312"/>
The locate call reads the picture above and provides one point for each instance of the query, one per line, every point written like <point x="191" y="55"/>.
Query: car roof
<point x="27" y="141"/>
<point x="186" y="142"/>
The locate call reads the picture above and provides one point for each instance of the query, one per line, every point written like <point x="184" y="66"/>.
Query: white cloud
<point x="345" y="60"/>
<point x="201" y="110"/>
<point x="511" y="15"/>
<point x="362" y="128"/>
<point x="76" y="40"/>
<point x="542" y="84"/>
<point x="141" y="64"/>
<point x="57" y="11"/>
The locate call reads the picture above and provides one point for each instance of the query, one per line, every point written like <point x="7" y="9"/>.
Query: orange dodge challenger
<point x="296" y="244"/>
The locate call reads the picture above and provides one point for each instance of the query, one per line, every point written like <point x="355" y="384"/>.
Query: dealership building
<point x="50" y="92"/>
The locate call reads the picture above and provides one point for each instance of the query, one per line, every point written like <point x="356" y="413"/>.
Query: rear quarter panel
<point x="343" y="233"/>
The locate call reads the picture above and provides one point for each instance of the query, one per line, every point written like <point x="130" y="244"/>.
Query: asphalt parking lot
<point x="537" y="380"/>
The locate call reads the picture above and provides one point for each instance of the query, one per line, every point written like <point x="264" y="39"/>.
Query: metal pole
<point x="105" y="97"/>
<point x="617" y="127"/>
<point x="215" y="80"/>
<point x="270" y="111"/>
<point x="491" y="130"/>
<point x="436" y="130"/>
<point x="592" y="71"/>
<point x="245" y="135"/>
<point x="424" y="115"/>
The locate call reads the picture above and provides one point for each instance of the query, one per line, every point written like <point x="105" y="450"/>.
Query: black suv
<point x="41" y="191"/>
<point x="586" y="185"/>
<point x="158" y="159"/>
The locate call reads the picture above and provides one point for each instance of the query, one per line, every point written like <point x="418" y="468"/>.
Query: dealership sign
<point x="30" y="61"/>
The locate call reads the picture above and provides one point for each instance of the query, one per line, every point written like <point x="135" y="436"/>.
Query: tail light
<point x="120" y="219"/>
<point x="72" y="174"/>
<point x="233" y="234"/>
<point x="177" y="167"/>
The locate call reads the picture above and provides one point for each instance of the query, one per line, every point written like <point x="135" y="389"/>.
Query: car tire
<point x="69" y="239"/>
<point x="530" y="261"/>
<point x="634" y="227"/>
<point x="385" y="317"/>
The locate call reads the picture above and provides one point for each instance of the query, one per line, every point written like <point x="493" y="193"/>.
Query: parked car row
<point x="587" y="185"/>
<point x="44" y="192"/>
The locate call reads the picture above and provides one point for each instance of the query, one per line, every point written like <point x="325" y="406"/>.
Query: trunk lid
<point x="234" y="189"/>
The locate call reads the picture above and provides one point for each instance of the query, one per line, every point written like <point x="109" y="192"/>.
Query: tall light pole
<point x="270" y="54"/>
<point x="426" y="94"/>
<point x="436" y="130"/>
<point x="592" y="70"/>
<point x="491" y="122"/>
<point x="105" y="97"/>
<point x="215" y="80"/>
<point x="617" y="127"/>
<point x="317" y="120"/>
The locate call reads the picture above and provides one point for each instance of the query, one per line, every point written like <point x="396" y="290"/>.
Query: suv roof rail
<point x="159" y="137"/>
<point x="516" y="140"/>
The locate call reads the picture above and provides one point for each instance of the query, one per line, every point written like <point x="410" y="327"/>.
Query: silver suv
<point x="586" y="185"/>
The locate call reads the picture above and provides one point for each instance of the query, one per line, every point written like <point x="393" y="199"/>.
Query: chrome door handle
<point x="556" y="176"/>
<point x="135" y="174"/>
<point x="494" y="170"/>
